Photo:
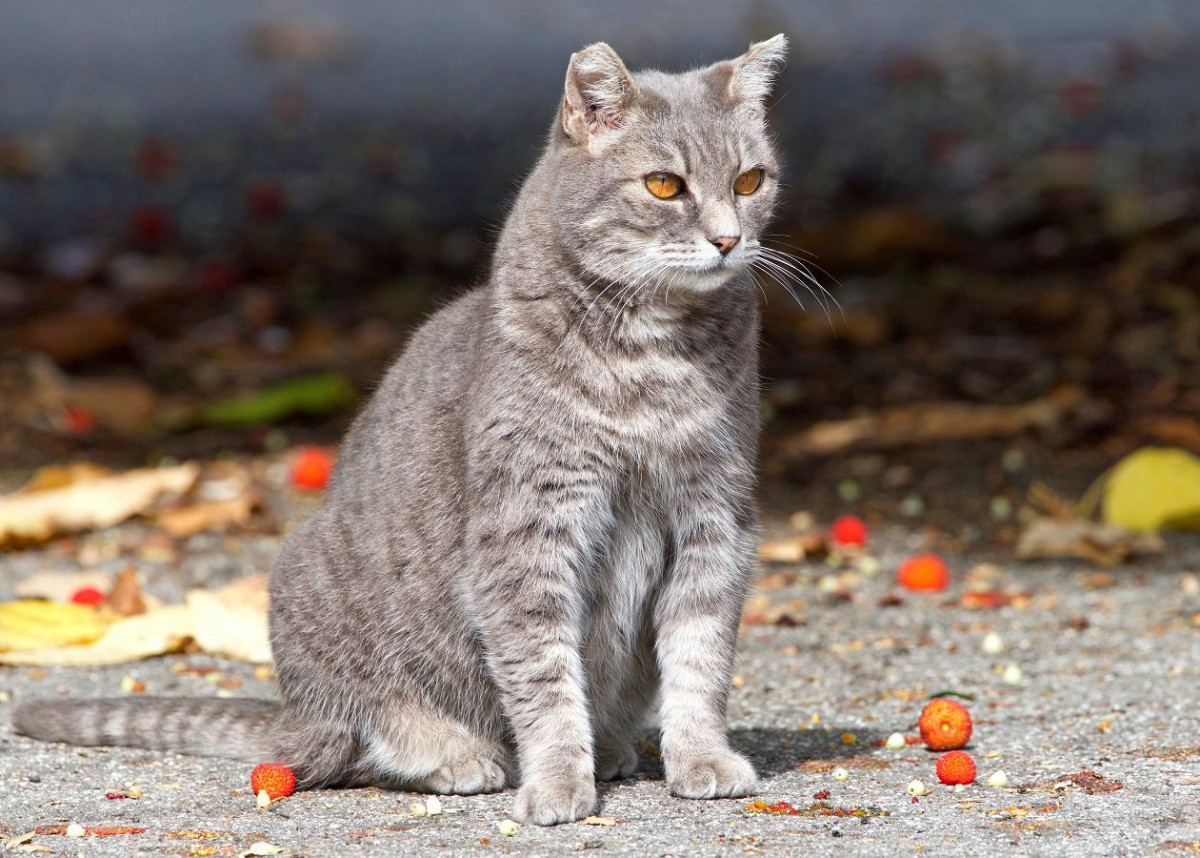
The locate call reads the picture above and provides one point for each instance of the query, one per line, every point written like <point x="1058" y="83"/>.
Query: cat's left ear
<point x="598" y="94"/>
<point x="752" y="75"/>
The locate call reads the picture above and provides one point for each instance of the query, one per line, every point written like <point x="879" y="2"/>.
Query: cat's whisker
<point x="802" y="275"/>
<point x="808" y="263"/>
<point x="780" y="278"/>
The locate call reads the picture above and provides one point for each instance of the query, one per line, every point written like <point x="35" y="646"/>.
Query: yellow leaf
<point x="32" y="624"/>
<point x="157" y="632"/>
<point x="1154" y="488"/>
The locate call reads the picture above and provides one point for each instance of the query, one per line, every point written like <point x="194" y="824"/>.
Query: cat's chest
<point x="653" y="403"/>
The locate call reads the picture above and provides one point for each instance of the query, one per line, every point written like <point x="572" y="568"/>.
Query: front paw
<point x="721" y="774"/>
<point x="550" y="802"/>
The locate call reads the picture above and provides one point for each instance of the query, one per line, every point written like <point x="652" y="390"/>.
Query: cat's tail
<point x="208" y="727"/>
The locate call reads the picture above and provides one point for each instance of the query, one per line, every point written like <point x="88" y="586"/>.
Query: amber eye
<point x="748" y="182"/>
<point x="664" y="185"/>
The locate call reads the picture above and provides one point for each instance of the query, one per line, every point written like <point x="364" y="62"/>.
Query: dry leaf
<point x="1105" y="544"/>
<point x="84" y="504"/>
<point x="208" y="515"/>
<point x="933" y="421"/>
<point x="29" y="624"/>
<point x="61" y="586"/>
<point x="156" y="632"/>
<point x="232" y="621"/>
<point x="597" y="820"/>
<point x="125" y="597"/>
<point x="125" y="405"/>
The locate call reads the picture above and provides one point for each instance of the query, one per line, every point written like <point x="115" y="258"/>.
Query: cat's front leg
<point x="697" y="619"/>
<point x="533" y="532"/>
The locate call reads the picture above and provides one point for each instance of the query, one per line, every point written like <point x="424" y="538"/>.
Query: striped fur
<point x="542" y="525"/>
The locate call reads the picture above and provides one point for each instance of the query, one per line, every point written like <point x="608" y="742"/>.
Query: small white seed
<point x="998" y="779"/>
<point x="992" y="644"/>
<point x="433" y="805"/>
<point x="75" y="830"/>
<point x="507" y="827"/>
<point x="840" y="774"/>
<point x="895" y="742"/>
<point x="917" y="788"/>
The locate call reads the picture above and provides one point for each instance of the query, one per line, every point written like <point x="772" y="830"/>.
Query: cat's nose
<point x="725" y="243"/>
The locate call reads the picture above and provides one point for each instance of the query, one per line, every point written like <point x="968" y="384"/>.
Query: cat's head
<point x="666" y="179"/>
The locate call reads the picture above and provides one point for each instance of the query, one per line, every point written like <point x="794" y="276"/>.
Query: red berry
<point x="956" y="767"/>
<point x="311" y="469"/>
<point x="849" y="530"/>
<point x="277" y="779"/>
<point x="151" y="224"/>
<point x="945" y="725"/>
<point x="923" y="572"/>
<point x="79" y="420"/>
<point x="87" y="596"/>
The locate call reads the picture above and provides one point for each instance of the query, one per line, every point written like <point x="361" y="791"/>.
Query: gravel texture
<point x="1109" y="663"/>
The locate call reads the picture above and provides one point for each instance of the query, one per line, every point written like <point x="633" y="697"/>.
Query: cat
<point x="543" y="522"/>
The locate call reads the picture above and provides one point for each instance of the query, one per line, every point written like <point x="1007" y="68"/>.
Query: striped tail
<point x="207" y="727"/>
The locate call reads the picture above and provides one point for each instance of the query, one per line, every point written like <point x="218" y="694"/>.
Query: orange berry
<point x="275" y="778"/>
<point x="849" y="530"/>
<point x="312" y="468"/>
<point x="956" y="767"/>
<point x="945" y="725"/>
<point x="923" y="572"/>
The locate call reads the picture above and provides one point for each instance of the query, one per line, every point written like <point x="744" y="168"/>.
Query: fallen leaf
<point x="33" y="516"/>
<point x="157" y="632"/>
<point x="1152" y="489"/>
<point x="322" y="394"/>
<point x="933" y="421"/>
<point x="597" y="820"/>
<point x="125" y="405"/>
<point x="261" y="847"/>
<point x="125" y="597"/>
<point x="30" y="624"/>
<point x="1105" y="544"/>
<point x="232" y="621"/>
<point x="207" y="515"/>
<point x="59" y="586"/>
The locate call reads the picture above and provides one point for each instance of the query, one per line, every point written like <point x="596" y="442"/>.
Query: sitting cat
<point x="543" y="522"/>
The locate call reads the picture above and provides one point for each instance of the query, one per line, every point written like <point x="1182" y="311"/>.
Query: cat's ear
<point x="752" y="75"/>
<point x="598" y="94"/>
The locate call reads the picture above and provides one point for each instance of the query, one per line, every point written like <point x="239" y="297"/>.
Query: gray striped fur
<point x="542" y="525"/>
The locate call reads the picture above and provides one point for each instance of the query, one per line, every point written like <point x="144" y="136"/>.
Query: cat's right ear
<point x="598" y="95"/>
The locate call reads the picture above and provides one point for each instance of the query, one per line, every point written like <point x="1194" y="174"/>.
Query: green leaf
<point x="1154" y="488"/>
<point x="313" y="395"/>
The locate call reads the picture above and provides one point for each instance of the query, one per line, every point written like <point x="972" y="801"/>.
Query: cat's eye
<point x="665" y="186"/>
<point x="748" y="182"/>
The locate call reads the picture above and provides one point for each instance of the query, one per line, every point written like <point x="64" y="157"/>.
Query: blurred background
<point x="218" y="221"/>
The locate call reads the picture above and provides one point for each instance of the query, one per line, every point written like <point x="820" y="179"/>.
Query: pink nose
<point x="725" y="243"/>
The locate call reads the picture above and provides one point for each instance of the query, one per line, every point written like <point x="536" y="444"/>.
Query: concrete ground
<point x="1109" y="684"/>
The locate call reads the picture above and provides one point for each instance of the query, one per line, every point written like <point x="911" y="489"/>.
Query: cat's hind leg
<point x="427" y="751"/>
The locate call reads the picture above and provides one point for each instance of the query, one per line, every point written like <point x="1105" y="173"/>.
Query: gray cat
<point x="543" y="522"/>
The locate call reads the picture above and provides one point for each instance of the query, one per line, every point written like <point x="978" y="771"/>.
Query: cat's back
<point x="414" y="418"/>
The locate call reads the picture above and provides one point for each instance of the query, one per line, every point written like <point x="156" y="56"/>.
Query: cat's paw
<point x="722" y="774"/>
<point x="616" y="761"/>
<point x="550" y="802"/>
<point x="466" y="776"/>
